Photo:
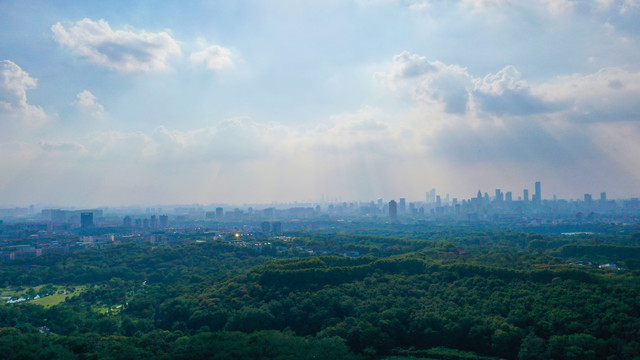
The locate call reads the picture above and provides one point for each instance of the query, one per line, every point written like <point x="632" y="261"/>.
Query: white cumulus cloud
<point x="14" y="83"/>
<point x="121" y="50"/>
<point x="214" y="57"/>
<point x="87" y="102"/>
<point x="429" y="81"/>
<point x="506" y="93"/>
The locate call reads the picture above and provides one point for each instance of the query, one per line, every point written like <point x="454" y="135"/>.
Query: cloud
<point x="86" y="102"/>
<point x="629" y="5"/>
<point x="231" y="140"/>
<point x="515" y="142"/>
<point x="454" y="88"/>
<point x="14" y="83"/>
<point x="558" y="7"/>
<point x="556" y="129"/>
<point x="357" y="152"/>
<point x="479" y="4"/>
<point x="429" y="81"/>
<point x="64" y="146"/>
<point x="608" y="95"/>
<point x="121" y="50"/>
<point x="214" y="57"/>
<point x="505" y="93"/>
<point x="115" y="147"/>
<point x="414" y="5"/>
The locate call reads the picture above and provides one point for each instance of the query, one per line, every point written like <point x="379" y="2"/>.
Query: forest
<point x="446" y="293"/>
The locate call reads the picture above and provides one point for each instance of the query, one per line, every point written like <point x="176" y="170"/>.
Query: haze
<point x="126" y="102"/>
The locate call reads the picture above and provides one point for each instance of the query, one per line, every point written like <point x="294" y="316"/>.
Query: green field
<point x="58" y="297"/>
<point x="47" y="301"/>
<point x="115" y="309"/>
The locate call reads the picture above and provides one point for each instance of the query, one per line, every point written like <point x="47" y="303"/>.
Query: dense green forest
<point x="454" y="293"/>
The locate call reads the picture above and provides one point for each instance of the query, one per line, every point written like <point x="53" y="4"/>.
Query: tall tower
<point x="538" y="195"/>
<point x="526" y="195"/>
<point x="403" y="206"/>
<point x="431" y="196"/>
<point x="393" y="210"/>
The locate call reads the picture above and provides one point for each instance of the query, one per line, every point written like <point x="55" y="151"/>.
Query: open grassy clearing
<point x="58" y="297"/>
<point x="60" y="293"/>
<point x="115" y="309"/>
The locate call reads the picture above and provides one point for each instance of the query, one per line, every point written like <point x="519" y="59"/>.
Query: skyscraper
<point x="403" y="206"/>
<point x="276" y="227"/>
<point x="86" y="220"/>
<point x="393" y="210"/>
<point x="526" y="195"/>
<point x="431" y="196"/>
<point x="164" y="221"/>
<point x="538" y="194"/>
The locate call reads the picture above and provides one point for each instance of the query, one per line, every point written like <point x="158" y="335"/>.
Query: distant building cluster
<point x="26" y="233"/>
<point x="274" y="219"/>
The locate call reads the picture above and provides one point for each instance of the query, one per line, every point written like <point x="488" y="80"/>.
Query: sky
<point x="116" y="103"/>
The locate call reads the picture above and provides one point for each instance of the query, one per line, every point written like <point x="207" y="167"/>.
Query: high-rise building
<point x="393" y="210"/>
<point x="126" y="222"/>
<point x="588" y="198"/>
<point x="276" y="226"/>
<point x="164" y="221"/>
<point x="86" y="220"/>
<point x="499" y="195"/>
<point x="266" y="227"/>
<point x="219" y="213"/>
<point x="538" y="194"/>
<point x="508" y="196"/>
<point x="525" y="195"/>
<point x="403" y="206"/>
<point x="431" y="196"/>
<point x="153" y="221"/>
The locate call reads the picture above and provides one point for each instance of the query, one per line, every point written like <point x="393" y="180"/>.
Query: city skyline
<point x="129" y="102"/>
<point x="431" y="198"/>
